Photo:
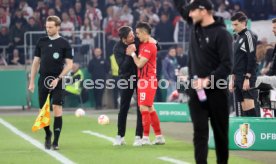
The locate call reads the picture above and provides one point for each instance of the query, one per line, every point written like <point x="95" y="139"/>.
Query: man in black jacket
<point x="209" y="58"/>
<point x="245" y="65"/>
<point x="98" y="68"/>
<point x="127" y="71"/>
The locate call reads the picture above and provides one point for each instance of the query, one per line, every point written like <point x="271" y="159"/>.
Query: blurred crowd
<point x="90" y="16"/>
<point x="20" y="16"/>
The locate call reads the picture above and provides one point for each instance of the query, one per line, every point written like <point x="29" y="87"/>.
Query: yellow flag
<point x="43" y="118"/>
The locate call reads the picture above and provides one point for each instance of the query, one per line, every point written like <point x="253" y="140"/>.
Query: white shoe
<point x="137" y="141"/>
<point x="146" y="141"/>
<point x="119" y="141"/>
<point x="159" y="140"/>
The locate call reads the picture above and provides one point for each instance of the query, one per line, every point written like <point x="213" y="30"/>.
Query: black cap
<point x="200" y="4"/>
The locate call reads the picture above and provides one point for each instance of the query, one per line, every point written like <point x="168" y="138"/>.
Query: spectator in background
<point x="182" y="57"/>
<point x="58" y="7"/>
<point x="169" y="67"/>
<point x="51" y="12"/>
<point x="108" y="3"/>
<point x="26" y="9"/>
<point x="222" y="12"/>
<point x="76" y="20"/>
<point x="181" y="31"/>
<point x="79" y="10"/>
<point x="98" y="68"/>
<point x="94" y="15"/>
<point x="67" y="28"/>
<point x="119" y="5"/>
<point x="126" y="15"/>
<point x="17" y="33"/>
<point x="153" y="17"/>
<point x="109" y="15"/>
<point x="236" y="7"/>
<point x="167" y="9"/>
<point x="112" y="32"/>
<point x="86" y="36"/>
<point x="164" y="30"/>
<point x="4" y="37"/>
<point x="42" y="9"/>
<point x="33" y="26"/>
<point x="7" y="4"/>
<point x="16" y="58"/>
<point x="143" y="18"/>
<point x="5" y="19"/>
<point x="18" y="16"/>
<point x="38" y="19"/>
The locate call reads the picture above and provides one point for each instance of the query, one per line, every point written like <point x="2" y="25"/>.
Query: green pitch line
<point x="82" y="148"/>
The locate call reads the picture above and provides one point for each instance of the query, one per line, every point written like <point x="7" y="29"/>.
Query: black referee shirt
<point x="52" y="54"/>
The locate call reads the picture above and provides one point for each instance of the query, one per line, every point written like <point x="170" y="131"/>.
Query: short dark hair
<point x="124" y="31"/>
<point x="145" y="26"/>
<point x="274" y="20"/>
<point x="239" y="16"/>
<point x="55" y="19"/>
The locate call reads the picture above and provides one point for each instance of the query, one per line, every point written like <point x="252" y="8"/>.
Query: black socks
<point x="57" y="129"/>
<point x="250" y="113"/>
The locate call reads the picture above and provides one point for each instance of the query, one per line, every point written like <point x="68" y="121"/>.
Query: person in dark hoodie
<point x="209" y="58"/>
<point x="245" y="66"/>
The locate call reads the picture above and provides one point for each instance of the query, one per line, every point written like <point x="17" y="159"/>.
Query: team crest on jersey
<point x="56" y="55"/>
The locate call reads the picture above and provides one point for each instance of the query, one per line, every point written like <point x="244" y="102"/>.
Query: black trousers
<point x="98" y="92"/>
<point x="115" y="92"/>
<point x="215" y="108"/>
<point x="126" y="95"/>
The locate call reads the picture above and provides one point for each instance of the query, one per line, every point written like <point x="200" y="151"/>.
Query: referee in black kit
<point x="245" y="66"/>
<point x="53" y="58"/>
<point x="209" y="58"/>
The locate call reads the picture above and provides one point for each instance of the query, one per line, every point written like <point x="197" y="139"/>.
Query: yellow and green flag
<point x="43" y="118"/>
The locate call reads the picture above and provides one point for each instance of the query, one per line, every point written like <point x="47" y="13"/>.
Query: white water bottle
<point x="200" y="92"/>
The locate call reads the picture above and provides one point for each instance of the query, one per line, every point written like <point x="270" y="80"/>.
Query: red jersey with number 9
<point x="149" y="51"/>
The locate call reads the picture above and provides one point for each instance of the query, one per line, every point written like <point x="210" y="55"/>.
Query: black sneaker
<point x="55" y="147"/>
<point x="48" y="141"/>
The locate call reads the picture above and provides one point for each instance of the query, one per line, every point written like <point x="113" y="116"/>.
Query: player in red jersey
<point x="147" y="83"/>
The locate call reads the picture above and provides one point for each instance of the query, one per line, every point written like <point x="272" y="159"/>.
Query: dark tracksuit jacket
<point x="210" y="54"/>
<point x="245" y="54"/>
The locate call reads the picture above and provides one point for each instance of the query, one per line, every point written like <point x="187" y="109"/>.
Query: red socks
<point x="146" y="122"/>
<point x="155" y="123"/>
<point x="150" y="118"/>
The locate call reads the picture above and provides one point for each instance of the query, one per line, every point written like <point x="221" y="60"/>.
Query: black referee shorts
<point x="242" y="94"/>
<point x="56" y="95"/>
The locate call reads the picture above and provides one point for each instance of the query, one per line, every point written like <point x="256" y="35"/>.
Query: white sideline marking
<point x="37" y="144"/>
<point x="172" y="160"/>
<point x="99" y="135"/>
<point x="168" y="159"/>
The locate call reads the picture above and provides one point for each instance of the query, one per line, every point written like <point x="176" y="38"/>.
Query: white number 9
<point x="142" y="96"/>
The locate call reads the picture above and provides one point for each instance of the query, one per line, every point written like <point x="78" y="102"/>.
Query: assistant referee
<point x="53" y="58"/>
